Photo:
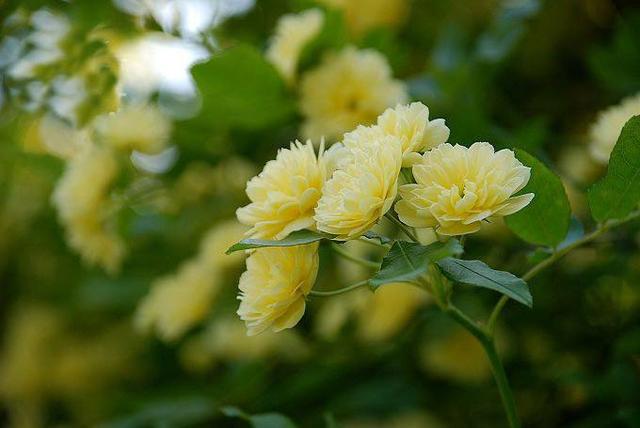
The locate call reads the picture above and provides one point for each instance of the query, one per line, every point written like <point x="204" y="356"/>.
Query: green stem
<point x="359" y="260"/>
<point x="373" y="242"/>
<point x="402" y="227"/>
<point x="497" y="368"/>
<point x="340" y="290"/>
<point x="535" y="270"/>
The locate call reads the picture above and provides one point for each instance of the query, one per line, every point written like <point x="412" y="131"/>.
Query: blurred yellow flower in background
<point x="458" y="187"/>
<point x="225" y="339"/>
<point x="605" y="131"/>
<point x="284" y="194"/>
<point x="274" y="287"/>
<point x="179" y="301"/>
<point x="293" y="32"/>
<point x="82" y="199"/>
<point x="411" y="124"/>
<point x="360" y="192"/>
<point x="349" y="88"/>
<point x="365" y="15"/>
<point x="138" y="127"/>
<point x="457" y="356"/>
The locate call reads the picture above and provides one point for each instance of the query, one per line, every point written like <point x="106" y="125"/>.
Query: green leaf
<point x="407" y="261"/>
<point x="374" y="235"/>
<point x="545" y="221"/>
<point x="332" y="36"/>
<point x="618" y="192"/>
<point x="262" y="420"/>
<point x="475" y="272"/>
<point x="240" y="89"/>
<point x="299" y="237"/>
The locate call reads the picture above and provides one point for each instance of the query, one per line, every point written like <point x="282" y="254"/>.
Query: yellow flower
<point x="411" y="124"/>
<point x="284" y="194"/>
<point x="605" y="131"/>
<point x="458" y="187"/>
<point x="360" y="192"/>
<point x="135" y="127"/>
<point x="177" y="302"/>
<point x="82" y="200"/>
<point x="293" y="32"/>
<point x="347" y="89"/>
<point x="365" y="15"/>
<point x="274" y="287"/>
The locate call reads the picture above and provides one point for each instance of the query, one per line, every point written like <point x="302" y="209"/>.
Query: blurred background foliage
<point x="84" y="343"/>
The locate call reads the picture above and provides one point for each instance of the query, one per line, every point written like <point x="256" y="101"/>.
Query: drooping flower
<point x="82" y="199"/>
<point x="604" y="133"/>
<point x="284" y="194"/>
<point x="458" y="187"/>
<point x="135" y="127"/>
<point x="363" y="189"/>
<point x="411" y="124"/>
<point x="347" y="89"/>
<point x="293" y="32"/>
<point x="274" y="287"/>
<point x="365" y="15"/>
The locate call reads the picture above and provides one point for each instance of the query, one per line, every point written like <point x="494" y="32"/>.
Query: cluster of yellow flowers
<point x="179" y="301"/>
<point x="347" y="189"/>
<point x="83" y="196"/>
<point x="348" y="88"/>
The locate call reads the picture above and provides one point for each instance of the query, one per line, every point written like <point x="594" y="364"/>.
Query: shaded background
<point x="527" y="74"/>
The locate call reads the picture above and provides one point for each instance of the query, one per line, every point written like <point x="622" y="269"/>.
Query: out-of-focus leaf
<point x="407" y="261"/>
<point x="618" y="192"/>
<point x="576" y="231"/>
<point x="332" y="36"/>
<point x="477" y="273"/>
<point x="263" y="420"/>
<point x="617" y="64"/>
<point x="240" y="89"/>
<point x="545" y="221"/>
<point x="299" y="237"/>
<point x="506" y="29"/>
<point x="175" y="413"/>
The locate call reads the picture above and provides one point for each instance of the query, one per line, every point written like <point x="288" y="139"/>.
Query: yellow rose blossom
<point x="360" y="192"/>
<point x="82" y="200"/>
<point x="349" y="88"/>
<point x="135" y="127"/>
<point x="284" y="194"/>
<point x="365" y="15"/>
<point x="458" y="187"/>
<point x="274" y="287"/>
<point x="604" y="133"/>
<point x="411" y="124"/>
<point x="293" y="32"/>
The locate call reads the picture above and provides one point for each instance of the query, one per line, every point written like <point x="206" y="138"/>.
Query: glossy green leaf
<point x="299" y="237"/>
<point x="618" y="192"/>
<point x="476" y="273"/>
<point x="240" y="89"/>
<point x="545" y="221"/>
<point x="407" y="261"/>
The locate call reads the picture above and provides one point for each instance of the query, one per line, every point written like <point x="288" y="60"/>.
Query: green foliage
<point x="240" y="89"/>
<point x="545" y="221"/>
<point x="263" y="420"/>
<point x="374" y="235"/>
<point x="408" y="261"/>
<point x="332" y="36"/>
<point x="477" y="273"/>
<point x="618" y="192"/>
<point x="299" y="237"/>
